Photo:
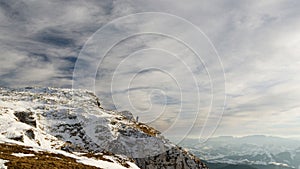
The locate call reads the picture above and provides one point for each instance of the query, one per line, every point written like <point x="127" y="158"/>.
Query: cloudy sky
<point x="172" y="67"/>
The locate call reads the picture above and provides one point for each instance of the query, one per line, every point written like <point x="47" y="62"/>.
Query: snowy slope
<point x="71" y="121"/>
<point x="55" y="117"/>
<point x="47" y="120"/>
<point x="10" y="148"/>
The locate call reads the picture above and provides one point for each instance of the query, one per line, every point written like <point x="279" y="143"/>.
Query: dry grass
<point x="141" y="126"/>
<point x="97" y="156"/>
<point x="101" y="156"/>
<point x="147" y="129"/>
<point x="41" y="160"/>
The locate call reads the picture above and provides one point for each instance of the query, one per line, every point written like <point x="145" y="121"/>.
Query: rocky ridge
<point x="73" y="121"/>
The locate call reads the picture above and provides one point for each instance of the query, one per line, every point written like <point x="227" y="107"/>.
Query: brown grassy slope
<point x="41" y="160"/>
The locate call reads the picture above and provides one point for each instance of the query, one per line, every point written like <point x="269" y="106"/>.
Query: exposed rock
<point x="171" y="159"/>
<point x="127" y="114"/>
<point x="30" y="134"/>
<point x="26" y="117"/>
<point x="17" y="138"/>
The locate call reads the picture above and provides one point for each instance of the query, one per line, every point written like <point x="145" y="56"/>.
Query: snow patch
<point x="22" y="155"/>
<point x="2" y="164"/>
<point x="279" y="164"/>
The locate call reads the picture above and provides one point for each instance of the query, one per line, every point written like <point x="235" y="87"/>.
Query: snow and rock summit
<point x="72" y="123"/>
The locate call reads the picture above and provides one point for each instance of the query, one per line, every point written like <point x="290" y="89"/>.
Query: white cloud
<point x="258" y="43"/>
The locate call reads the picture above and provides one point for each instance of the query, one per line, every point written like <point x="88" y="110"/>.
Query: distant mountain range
<point x="256" y="151"/>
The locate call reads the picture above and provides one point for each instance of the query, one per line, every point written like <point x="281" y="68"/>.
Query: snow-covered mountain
<point x="249" y="150"/>
<point x="72" y="123"/>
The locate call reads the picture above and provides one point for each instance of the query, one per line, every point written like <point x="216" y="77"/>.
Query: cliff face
<point x="73" y="121"/>
<point x="174" y="158"/>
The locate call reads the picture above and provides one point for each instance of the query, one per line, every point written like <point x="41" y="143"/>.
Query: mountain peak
<point x="73" y="121"/>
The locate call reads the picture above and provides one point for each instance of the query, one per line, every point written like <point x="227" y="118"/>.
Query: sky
<point x="190" y="69"/>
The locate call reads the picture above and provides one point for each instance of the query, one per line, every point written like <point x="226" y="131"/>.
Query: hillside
<point x="18" y="156"/>
<point x="73" y="124"/>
